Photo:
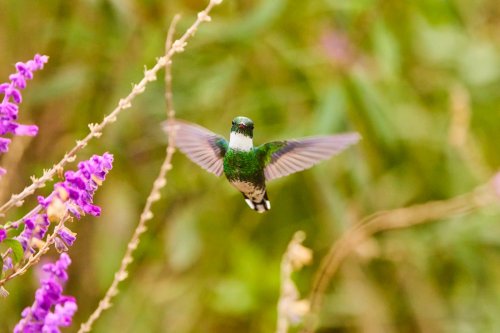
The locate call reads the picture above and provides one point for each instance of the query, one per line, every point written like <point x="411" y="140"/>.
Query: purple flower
<point x="67" y="236"/>
<point x="51" y="309"/>
<point x="4" y="144"/>
<point x="35" y="228"/>
<point x="3" y="234"/>
<point x="61" y="316"/>
<point x="76" y="193"/>
<point x="7" y="263"/>
<point x="12" y="97"/>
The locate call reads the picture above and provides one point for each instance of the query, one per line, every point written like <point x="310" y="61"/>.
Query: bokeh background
<point x="420" y="80"/>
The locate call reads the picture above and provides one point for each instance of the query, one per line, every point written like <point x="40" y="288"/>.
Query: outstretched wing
<point x="282" y="158"/>
<point x="200" y="145"/>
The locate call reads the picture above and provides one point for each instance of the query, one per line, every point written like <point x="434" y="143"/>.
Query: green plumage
<point x="265" y="152"/>
<point x="249" y="166"/>
<point x="244" y="166"/>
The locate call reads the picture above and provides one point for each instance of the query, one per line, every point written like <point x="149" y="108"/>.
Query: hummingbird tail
<point x="260" y="207"/>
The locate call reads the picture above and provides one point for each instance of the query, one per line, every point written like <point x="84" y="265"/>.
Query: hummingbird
<point x="248" y="168"/>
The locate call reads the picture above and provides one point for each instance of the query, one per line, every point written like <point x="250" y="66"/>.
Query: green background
<point x="395" y="71"/>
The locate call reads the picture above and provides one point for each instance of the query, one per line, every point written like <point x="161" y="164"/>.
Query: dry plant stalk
<point x="291" y="309"/>
<point x="168" y="74"/>
<point x="146" y="215"/>
<point x="459" y="135"/>
<point x="96" y="129"/>
<point x="460" y="116"/>
<point x="161" y="180"/>
<point x="388" y="220"/>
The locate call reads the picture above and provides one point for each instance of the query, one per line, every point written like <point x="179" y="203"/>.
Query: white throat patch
<point x="239" y="141"/>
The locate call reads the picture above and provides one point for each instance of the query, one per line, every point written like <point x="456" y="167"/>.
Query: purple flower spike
<point x="80" y="186"/>
<point x="51" y="308"/>
<point x="75" y="195"/>
<point x="12" y="97"/>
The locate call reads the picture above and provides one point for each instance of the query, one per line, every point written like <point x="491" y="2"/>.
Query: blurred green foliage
<point x="396" y="71"/>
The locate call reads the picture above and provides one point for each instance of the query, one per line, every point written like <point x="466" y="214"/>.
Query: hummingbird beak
<point x="241" y="126"/>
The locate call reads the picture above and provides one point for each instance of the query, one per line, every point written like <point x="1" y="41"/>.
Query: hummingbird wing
<point x="200" y="145"/>
<point x="281" y="158"/>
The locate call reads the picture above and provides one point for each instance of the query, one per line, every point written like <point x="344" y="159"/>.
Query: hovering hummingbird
<point x="247" y="167"/>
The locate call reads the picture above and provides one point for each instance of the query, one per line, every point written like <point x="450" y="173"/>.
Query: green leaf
<point x="17" y="249"/>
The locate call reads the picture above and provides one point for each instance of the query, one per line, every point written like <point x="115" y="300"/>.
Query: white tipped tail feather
<point x="259" y="207"/>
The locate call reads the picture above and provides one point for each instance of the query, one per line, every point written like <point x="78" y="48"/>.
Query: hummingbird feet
<point x="259" y="207"/>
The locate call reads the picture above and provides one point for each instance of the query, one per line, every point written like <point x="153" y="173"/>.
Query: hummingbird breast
<point x="243" y="170"/>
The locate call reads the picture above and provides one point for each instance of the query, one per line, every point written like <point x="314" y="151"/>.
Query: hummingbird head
<point x="242" y="125"/>
<point x="241" y="134"/>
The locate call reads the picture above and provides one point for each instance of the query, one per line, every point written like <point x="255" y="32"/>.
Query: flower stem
<point x="161" y="180"/>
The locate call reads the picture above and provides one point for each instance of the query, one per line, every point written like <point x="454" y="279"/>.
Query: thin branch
<point x="390" y="220"/>
<point x="96" y="129"/>
<point x="122" y="273"/>
<point x="459" y="135"/>
<point x="161" y="180"/>
<point x="168" y="70"/>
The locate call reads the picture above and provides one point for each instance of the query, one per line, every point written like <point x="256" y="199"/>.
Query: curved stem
<point x="389" y="220"/>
